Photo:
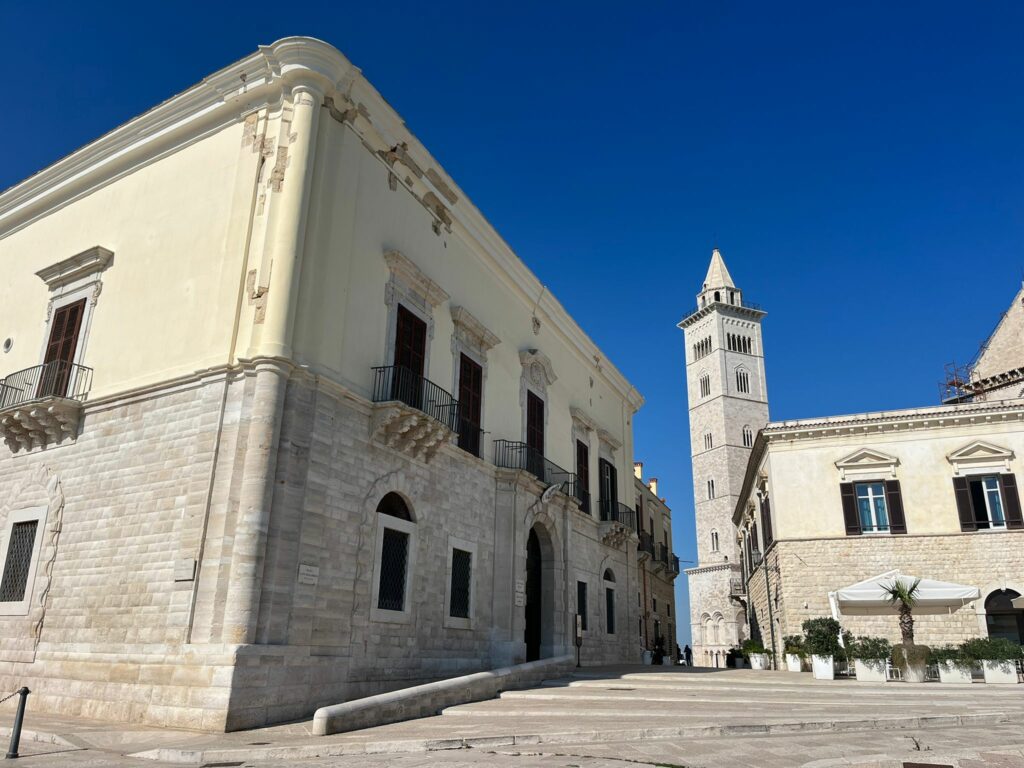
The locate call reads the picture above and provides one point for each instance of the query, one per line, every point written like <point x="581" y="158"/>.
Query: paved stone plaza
<point x="610" y="717"/>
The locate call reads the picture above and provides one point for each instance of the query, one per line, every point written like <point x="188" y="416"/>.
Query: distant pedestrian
<point x="688" y="655"/>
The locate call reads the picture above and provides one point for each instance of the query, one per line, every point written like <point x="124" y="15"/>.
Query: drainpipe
<point x="272" y="368"/>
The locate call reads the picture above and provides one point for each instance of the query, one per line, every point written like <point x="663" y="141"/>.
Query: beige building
<point x="287" y="423"/>
<point x="656" y="592"/>
<point x="931" y="492"/>
<point x="728" y="400"/>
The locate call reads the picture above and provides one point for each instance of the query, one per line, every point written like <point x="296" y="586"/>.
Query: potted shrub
<point x="821" y="641"/>
<point x="998" y="658"/>
<point x="794" y="646"/>
<point x="869" y="657"/>
<point x="953" y="662"/>
<point x="755" y="651"/>
<point x="911" y="659"/>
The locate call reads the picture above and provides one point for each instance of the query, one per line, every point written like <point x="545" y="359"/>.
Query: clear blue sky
<point x="861" y="165"/>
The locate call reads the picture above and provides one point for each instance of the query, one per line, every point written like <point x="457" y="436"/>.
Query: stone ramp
<point x="632" y="704"/>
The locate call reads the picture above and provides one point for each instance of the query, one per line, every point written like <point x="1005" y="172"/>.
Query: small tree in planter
<point x="794" y="647"/>
<point x="908" y="657"/>
<point x="755" y="651"/>
<point x="998" y="658"/>
<point x="821" y="640"/>
<point x="954" y="663"/>
<point x="869" y="656"/>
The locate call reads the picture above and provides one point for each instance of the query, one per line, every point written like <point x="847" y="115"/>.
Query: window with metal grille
<point x="19" y="560"/>
<point x="394" y="558"/>
<point x="462" y="568"/>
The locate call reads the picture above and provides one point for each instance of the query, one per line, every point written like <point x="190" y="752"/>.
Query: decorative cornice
<point x="86" y="263"/>
<point x="980" y="453"/>
<point x="415" y="278"/>
<point x="609" y="439"/>
<point x="472" y="330"/>
<point x="741" y="311"/>
<point x="582" y="419"/>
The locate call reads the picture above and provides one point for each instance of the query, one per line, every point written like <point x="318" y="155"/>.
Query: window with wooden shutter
<point x="583" y="474"/>
<point x="894" y="502"/>
<point x="1011" y="501"/>
<point x="410" y="341"/>
<point x="766" y="523"/>
<point x="964" y="508"/>
<point x="609" y="490"/>
<point x="471" y="385"/>
<point x="60" y="350"/>
<point x="850" y="517"/>
<point x="535" y="422"/>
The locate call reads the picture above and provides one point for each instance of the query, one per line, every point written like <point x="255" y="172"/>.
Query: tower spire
<point x="718" y="274"/>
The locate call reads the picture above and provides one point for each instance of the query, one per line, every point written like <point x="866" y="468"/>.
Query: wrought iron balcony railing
<point x="616" y="512"/>
<point x="396" y="382"/>
<point x="54" y="379"/>
<point x="515" y="455"/>
<point x="673" y="563"/>
<point x="646" y="543"/>
<point x="471" y="438"/>
<point x="663" y="554"/>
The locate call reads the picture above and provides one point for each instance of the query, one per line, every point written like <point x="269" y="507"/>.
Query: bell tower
<point x="728" y="404"/>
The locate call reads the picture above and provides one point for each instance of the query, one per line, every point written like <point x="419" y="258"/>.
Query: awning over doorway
<point x="1018" y="602"/>
<point x="869" y="596"/>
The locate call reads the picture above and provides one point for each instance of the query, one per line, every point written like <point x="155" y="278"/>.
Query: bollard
<point x="12" y="751"/>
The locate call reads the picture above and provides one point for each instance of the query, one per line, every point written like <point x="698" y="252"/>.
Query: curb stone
<point x="307" y="751"/>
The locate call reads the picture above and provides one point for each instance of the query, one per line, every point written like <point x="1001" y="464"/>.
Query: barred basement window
<point x="19" y="561"/>
<point x="394" y="557"/>
<point x="462" y="566"/>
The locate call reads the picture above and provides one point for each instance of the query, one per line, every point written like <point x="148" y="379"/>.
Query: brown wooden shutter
<point x="850" y="516"/>
<point x="1011" y="501"/>
<point x="894" y="506"/>
<point x="766" y="522"/>
<point x="535" y="423"/>
<point x="964" y="507"/>
<point x="410" y="341"/>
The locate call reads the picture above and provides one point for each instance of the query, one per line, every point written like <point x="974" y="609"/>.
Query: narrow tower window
<point x="748" y="437"/>
<point x="705" y="385"/>
<point x="742" y="381"/>
<point x="714" y="541"/>
<point x="711" y="489"/>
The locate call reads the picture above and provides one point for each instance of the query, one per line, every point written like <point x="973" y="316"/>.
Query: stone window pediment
<point x="538" y="369"/>
<point x="980" y="455"/>
<point x="608" y="439"/>
<point x="75" y="270"/>
<point x="867" y="461"/>
<point x="470" y="332"/>
<point x="581" y="420"/>
<point x="413" y="278"/>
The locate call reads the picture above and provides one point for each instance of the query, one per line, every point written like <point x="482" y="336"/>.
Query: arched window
<point x="711" y="489"/>
<point x="608" y="575"/>
<point x="705" y="629"/>
<point x="708" y="441"/>
<point x="395" y="531"/>
<point x="742" y="381"/>
<point x="705" y="385"/>
<point x="717" y="629"/>
<point x="748" y="437"/>
<point x="718" y="296"/>
<point x="749" y="345"/>
<point x="732" y="297"/>
<point x="714" y="541"/>
<point x="1001" y="618"/>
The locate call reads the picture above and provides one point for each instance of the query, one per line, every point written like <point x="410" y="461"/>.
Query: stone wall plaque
<point x="184" y="569"/>
<point x="309" y="574"/>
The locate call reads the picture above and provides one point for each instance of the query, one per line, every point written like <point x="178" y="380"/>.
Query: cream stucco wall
<point x="803" y="480"/>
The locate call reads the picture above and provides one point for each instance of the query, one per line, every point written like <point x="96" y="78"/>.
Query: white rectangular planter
<point x="759" y="661"/>
<point x="823" y="668"/>
<point x="951" y="672"/>
<point x="794" y="663"/>
<point x="1000" y="672"/>
<point x="870" y="670"/>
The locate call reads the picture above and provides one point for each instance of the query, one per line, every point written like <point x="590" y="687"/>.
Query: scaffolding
<point x="956" y="385"/>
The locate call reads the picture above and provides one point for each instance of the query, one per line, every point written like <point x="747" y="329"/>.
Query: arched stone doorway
<point x="540" y="587"/>
<point x="1001" y="618"/>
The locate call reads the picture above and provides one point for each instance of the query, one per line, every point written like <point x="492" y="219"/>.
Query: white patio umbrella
<point x="869" y="597"/>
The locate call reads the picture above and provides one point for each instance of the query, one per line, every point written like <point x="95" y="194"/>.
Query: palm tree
<point x="904" y="598"/>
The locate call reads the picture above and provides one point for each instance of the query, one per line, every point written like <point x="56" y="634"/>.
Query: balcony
<point x="471" y="438"/>
<point x="515" y="455"/>
<point x="737" y="588"/>
<point x="661" y="557"/>
<point x="645" y="546"/>
<point x="673" y="564"/>
<point x="583" y="496"/>
<point x="617" y="522"/>
<point x="412" y="414"/>
<point x="43" y="404"/>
